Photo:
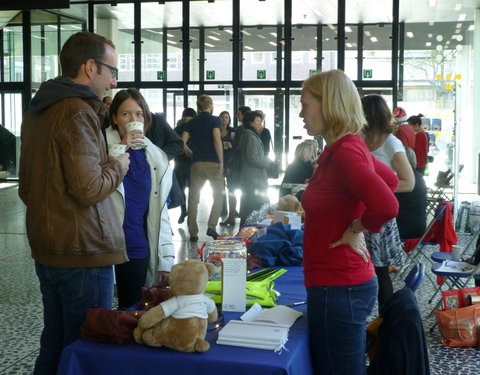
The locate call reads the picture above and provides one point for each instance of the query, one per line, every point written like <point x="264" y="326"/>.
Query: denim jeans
<point x="336" y="318"/>
<point x="67" y="293"/>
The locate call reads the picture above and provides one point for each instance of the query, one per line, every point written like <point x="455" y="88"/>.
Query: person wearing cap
<point x="405" y="131"/>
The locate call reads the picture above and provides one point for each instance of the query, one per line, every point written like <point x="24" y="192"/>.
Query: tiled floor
<point x="21" y="310"/>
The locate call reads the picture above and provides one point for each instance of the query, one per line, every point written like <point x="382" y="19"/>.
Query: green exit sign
<point x="261" y="74"/>
<point x="314" y="71"/>
<point x="210" y="74"/>
<point x="161" y="75"/>
<point x="367" y="73"/>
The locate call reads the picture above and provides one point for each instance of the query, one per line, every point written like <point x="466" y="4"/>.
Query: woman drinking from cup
<point x="141" y="199"/>
<point x="349" y="193"/>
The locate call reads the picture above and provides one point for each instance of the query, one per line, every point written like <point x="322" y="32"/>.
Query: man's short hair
<point x="244" y="109"/>
<point x="80" y="48"/>
<point x="203" y="102"/>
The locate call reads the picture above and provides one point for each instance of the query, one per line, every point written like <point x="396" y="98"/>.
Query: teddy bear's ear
<point x="210" y="269"/>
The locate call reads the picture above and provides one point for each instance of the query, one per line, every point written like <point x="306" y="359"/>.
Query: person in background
<point x="207" y="164"/>
<point x="349" y="193"/>
<point x="301" y="168"/>
<point x="228" y="139"/>
<point x="403" y="130"/>
<point x="265" y="135"/>
<point x="412" y="211"/>
<point x="65" y="181"/>
<point x="254" y="166"/>
<point x="107" y="100"/>
<point x="183" y="163"/>
<point x="141" y="201"/>
<point x="421" y="143"/>
<point x="385" y="247"/>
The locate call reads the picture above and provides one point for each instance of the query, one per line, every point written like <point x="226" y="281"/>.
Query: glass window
<point x="377" y="52"/>
<point x="351" y="51"/>
<point x="218" y="53"/>
<point x="304" y="51"/>
<point x="116" y="23"/>
<point x="157" y="19"/>
<point x="260" y="53"/>
<point x="174" y="55"/>
<point x="13" y="54"/>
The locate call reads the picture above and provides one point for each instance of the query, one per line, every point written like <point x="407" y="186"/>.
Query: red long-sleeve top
<point x="407" y="135"/>
<point x="421" y="149"/>
<point x="349" y="183"/>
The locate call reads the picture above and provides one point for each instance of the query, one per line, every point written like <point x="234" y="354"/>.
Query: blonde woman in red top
<point x="349" y="193"/>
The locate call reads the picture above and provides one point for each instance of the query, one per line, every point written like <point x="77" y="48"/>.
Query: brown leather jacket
<point x="65" y="180"/>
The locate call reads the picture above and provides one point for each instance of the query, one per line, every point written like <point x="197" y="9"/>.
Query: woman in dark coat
<point x="254" y="166"/>
<point x="301" y="168"/>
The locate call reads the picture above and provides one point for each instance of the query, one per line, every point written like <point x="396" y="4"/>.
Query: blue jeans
<point x="336" y="318"/>
<point x="67" y="293"/>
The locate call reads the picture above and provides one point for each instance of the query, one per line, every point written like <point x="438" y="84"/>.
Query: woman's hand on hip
<point x="356" y="241"/>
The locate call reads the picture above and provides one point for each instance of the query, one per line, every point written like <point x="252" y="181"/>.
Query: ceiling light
<point x="430" y="35"/>
<point x="214" y="32"/>
<point x="331" y="27"/>
<point x="209" y="45"/>
<point x="245" y="32"/>
<point x="457" y="31"/>
<point x="349" y="45"/>
<point x="459" y="25"/>
<point x="348" y="29"/>
<point x="471" y="27"/>
<point x="249" y="48"/>
<point x="368" y="33"/>
<point x="53" y="27"/>
<point x="458" y="7"/>
<point x="462" y="17"/>
<point x="432" y="3"/>
<point x="428" y="44"/>
<point x="262" y="36"/>
<point x="73" y="27"/>
<point x="272" y="43"/>
<point x="213" y="37"/>
<point x="273" y="34"/>
<point x="170" y="35"/>
<point x="374" y="39"/>
<point x="431" y="23"/>
<point x="409" y="34"/>
<point x="171" y="41"/>
<point x="228" y="31"/>
<point x="317" y="12"/>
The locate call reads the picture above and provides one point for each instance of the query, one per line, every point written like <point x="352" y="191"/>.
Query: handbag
<point x="110" y="326"/>
<point x="273" y="169"/>
<point x="459" y="327"/>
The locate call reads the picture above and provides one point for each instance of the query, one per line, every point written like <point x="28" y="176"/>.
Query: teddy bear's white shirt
<point x="182" y="307"/>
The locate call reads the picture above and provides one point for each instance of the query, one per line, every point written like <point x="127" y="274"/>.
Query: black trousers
<point x="130" y="277"/>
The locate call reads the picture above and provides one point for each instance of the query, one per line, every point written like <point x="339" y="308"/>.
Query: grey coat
<point x="254" y="161"/>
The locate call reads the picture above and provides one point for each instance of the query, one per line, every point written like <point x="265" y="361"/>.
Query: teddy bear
<point x="180" y="323"/>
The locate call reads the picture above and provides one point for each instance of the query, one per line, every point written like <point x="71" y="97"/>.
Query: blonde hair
<point x="203" y="102"/>
<point x="307" y="150"/>
<point x="341" y="105"/>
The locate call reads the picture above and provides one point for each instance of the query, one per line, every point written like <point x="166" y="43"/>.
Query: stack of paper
<point x="253" y="335"/>
<point x="265" y="329"/>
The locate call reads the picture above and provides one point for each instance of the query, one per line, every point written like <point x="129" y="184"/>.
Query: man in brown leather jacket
<point x="65" y="181"/>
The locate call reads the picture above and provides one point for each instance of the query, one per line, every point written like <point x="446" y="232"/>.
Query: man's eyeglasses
<point x="113" y="70"/>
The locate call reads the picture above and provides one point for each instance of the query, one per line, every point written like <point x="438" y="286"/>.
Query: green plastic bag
<point x="260" y="288"/>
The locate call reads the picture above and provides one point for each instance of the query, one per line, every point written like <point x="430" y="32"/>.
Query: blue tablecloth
<point x="88" y="358"/>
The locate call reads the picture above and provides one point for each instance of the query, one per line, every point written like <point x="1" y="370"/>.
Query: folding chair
<point x="443" y="191"/>
<point x="438" y="195"/>
<point x="439" y="231"/>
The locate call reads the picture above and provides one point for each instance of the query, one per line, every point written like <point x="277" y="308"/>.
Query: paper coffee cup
<point x="135" y="125"/>
<point x="456" y="252"/>
<point x="116" y="149"/>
